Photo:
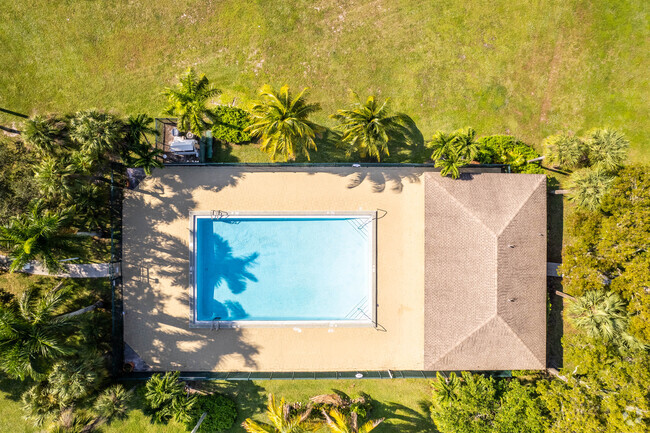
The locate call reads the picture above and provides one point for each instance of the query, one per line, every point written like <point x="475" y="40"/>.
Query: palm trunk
<point x="82" y="310"/>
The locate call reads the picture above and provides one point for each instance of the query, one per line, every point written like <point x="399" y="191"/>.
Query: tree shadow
<point x="251" y="398"/>
<point x="222" y="152"/>
<point x="14" y="388"/>
<point x="412" y="421"/>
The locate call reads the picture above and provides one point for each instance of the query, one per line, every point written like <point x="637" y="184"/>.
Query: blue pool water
<point x="283" y="269"/>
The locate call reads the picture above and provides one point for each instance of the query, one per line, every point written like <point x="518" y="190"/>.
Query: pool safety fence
<point x="303" y="375"/>
<point x="118" y="179"/>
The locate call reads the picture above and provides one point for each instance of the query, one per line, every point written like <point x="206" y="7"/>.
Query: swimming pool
<point x="259" y="269"/>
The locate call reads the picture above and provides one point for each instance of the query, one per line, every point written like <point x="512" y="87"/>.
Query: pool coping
<point x="235" y="324"/>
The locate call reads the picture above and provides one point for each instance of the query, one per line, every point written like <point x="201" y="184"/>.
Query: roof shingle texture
<point x="485" y="272"/>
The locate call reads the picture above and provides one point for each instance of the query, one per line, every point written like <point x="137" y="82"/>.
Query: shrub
<point x="229" y="124"/>
<point x="506" y="149"/>
<point x="566" y="151"/>
<point x="221" y="413"/>
<point x="166" y="398"/>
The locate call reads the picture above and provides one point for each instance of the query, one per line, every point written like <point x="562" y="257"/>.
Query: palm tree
<point x="280" y="119"/>
<point x="188" y="102"/>
<point x="146" y="157"/>
<point x="97" y="133"/>
<point x="32" y="335"/>
<point x="38" y="235"/>
<point x="441" y="143"/>
<point x="368" y="127"/>
<point x="338" y="423"/>
<point x="601" y="315"/>
<point x="42" y="133"/>
<point x="112" y="402"/>
<point x="466" y="144"/>
<point x="444" y="390"/>
<point x="450" y="164"/>
<point x="589" y="186"/>
<point x="565" y="151"/>
<point x="72" y="380"/>
<point x="137" y="128"/>
<point x="281" y="420"/>
<point x="54" y="178"/>
<point x="607" y="148"/>
<point x="166" y="396"/>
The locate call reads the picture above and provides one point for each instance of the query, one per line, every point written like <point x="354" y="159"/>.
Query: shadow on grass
<point x="411" y="420"/>
<point x="14" y="388"/>
<point x="251" y="398"/>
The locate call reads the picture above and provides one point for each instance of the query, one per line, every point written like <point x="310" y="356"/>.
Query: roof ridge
<point x="521" y="206"/>
<point x="469" y="212"/>
<point x="458" y="343"/>
<point x="516" y="335"/>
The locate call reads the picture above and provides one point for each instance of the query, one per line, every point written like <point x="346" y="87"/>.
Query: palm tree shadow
<point x="412" y="421"/>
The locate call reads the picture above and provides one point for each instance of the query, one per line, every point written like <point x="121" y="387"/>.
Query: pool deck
<point x="156" y="268"/>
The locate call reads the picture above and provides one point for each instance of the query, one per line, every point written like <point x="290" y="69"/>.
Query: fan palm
<point x="442" y="144"/>
<point x="565" y="151"/>
<point x="589" y="186"/>
<point x="32" y="335"/>
<point x="600" y="314"/>
<point x="465" y="143"/>
<point x="41" y="133"/>
<point x="338" y="423"/>
<point x="368" y="127"/>
<point x="188" y="102"/>
<point x="280" y="119"/>
<point x="607" y="148"/>
<point x="281" y="420"/>
<point x="73" y="380"/>
<point x="112" y="402"/>
<point x="450" y="164"/>
<point x="37" y="235"/>
<point x="97" y="133"/>
<point x="54" y="178"/>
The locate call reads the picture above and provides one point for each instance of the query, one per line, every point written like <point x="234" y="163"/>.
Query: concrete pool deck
<point x="156" y="269"/>
<point x="156" y="262"/>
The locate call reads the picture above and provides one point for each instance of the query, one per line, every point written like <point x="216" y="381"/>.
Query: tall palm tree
<point x="137" y="128"/>
<point x="37" y="235"/>
<point x="466" y="144"/>
<point x="32" y="335"/>
<point x="442" y="144"/>
<point x="146" y="157"/>
<point x="189" y="102"/>
<point x="281" y="420"/>
<point x="281" y="120"/>
<point x="339" y="423"/>
<point x="451" y="164"/>
<point x="607" y="148"/>
<point x="565" y="151"/>
<point x="42" y="133"/>
<point x="97" y="133"/>
<point x="368" y="127"/>
<point x="589" y="186"/>
<point x="601" y="315"/>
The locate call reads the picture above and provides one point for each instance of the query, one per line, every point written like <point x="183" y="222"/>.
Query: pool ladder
<point x="218" y="214"/>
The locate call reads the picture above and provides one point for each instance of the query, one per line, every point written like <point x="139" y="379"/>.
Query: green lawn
<point x="404" y="402"/>
<point x="506" y="66"/>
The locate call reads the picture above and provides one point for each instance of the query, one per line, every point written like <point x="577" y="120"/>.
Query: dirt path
<point x="552" y="78"/>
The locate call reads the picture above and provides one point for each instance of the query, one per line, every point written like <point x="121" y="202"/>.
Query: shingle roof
<point x="485" y="272"/>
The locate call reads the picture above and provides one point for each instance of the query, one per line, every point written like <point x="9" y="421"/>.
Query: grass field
<point x="520" y="67"/>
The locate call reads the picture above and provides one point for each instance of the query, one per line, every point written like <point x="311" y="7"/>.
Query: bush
<point x="506" y="149"/>
<point x="229" y="124"/>
<point x="166" y="398"/>
<point x="222" y="413"/>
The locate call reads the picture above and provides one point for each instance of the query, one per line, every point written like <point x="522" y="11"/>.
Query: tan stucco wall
<point x="156" y="269"/>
